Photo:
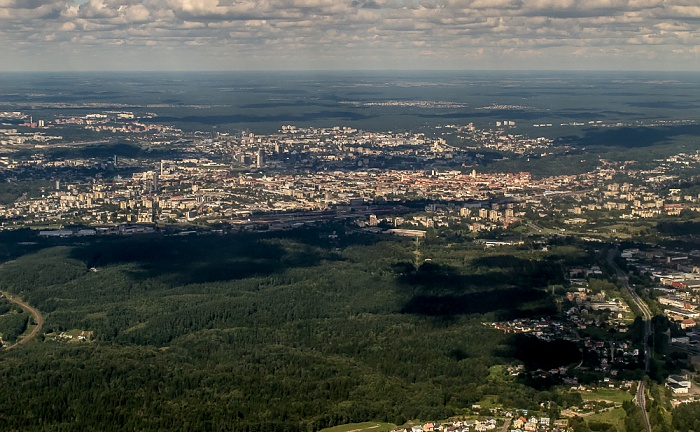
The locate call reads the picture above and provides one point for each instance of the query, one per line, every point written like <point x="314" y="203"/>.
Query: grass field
<point x="613" y="395"/>
<point x="360" y="427"/>
<point x="615" y="417"/>
<point x="489" y="401"/>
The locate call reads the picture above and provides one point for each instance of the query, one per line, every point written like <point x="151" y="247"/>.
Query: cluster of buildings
<point x="407" y="103"/>
<point x="538" y="424"/>
<point x="542" y="328"/>
<point x="474" y="216"/>
<point x="35" y="134"/>
<point x="626" y="201"/>
<point x="224" y="177"/>
<point x="513" y="423"/>
<point x="678" y="277"/>
<point x="11" y="137"/>
<point x="679" y="384"/>
<point x="501" y="140"/>
<point x="601" y="123"/>
<point x="192" y="189"/>
<point x="591" y="320"/>
<point x="341" y="148"/>
<point x="589" y="309"/>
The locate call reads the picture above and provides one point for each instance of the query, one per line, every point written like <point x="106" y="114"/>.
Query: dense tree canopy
<point x="256" y="332"/>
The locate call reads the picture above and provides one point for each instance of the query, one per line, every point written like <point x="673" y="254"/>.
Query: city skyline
<point x="181" y="35"/>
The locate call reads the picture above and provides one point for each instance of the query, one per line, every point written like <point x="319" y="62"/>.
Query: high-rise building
<point x="260" y="160"/>
<point x="155" y="181"/>
<point x="373" y="220"/>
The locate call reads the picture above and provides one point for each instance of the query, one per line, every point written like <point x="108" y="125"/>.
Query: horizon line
<point x="690" y="71"/>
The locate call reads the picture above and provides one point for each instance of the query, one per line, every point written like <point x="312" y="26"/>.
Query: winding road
<point x="38" y="319"/>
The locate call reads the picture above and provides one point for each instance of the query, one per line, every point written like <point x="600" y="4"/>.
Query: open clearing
<point x="359" y="427"/>
<point x="610" y="395"/>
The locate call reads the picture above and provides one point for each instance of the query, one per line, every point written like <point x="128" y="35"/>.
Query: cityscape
<point x="500" y="188"/>
<point x="350" y="216"/>
<point x="232" y="179"/>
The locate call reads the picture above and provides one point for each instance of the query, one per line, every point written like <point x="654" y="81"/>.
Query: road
<point x="641" y="401"/>
<point x="506" y="424"/>
<point x="622" y="277"/>
<point x="38" y="319"/>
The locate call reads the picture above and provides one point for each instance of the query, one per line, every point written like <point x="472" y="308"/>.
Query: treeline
<point x="679" y="228"/>
<point x="10" y="191"/>
<point x="686" y="417"/>
<point x="12" y="325"/>
<point x="274" y="389"/>
<point x="658" y="405"/>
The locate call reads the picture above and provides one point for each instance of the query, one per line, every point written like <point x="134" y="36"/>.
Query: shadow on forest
<point x="512" y="287"/>
<point x="537" y="353"/>
<point x="198" y="259"/>
<point x="505" y="300"/>
<point x="17" y="243"/>
<point x="208" y="258"/>
<point x="633" y="137"/>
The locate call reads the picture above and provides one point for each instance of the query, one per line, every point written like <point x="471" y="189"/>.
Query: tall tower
<point x="155" y="181"/>
<point x="260" y="161"/>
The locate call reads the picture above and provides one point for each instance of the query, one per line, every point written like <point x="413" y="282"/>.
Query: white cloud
<point x="684" y="11"/>
<point x="388" y="31"/>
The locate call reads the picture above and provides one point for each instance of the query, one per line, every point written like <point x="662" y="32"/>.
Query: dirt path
<point x="506" y="424"/>
<point x="38" y="319"/>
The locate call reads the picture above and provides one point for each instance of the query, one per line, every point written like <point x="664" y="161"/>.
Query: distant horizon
<point x="383" y="71"/>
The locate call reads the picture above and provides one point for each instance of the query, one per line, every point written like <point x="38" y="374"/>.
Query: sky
<point x="183" y="35"/>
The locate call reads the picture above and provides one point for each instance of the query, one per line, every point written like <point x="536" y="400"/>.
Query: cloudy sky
<point x="349" y="34"/>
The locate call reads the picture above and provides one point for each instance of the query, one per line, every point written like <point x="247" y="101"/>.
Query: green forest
<point x="292" y="331"/>
<point x="13" y="321"/>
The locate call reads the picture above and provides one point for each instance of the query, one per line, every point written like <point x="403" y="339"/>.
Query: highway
<point x="622" y="277"/>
